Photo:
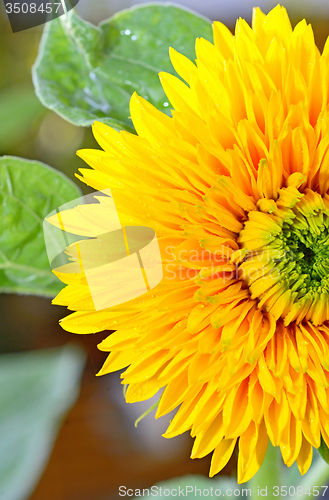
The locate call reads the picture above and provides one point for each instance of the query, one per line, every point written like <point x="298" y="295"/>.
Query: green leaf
<point x="87" y="73"/>
<point x="324" y="451"/>
<point x="36" y="391"/>
<point x="29" y="190"/>
<point x="195" y="487"/>
<point x="19" y="110"/>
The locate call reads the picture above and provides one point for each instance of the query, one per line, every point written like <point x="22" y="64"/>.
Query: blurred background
<point x="98" y="448"/>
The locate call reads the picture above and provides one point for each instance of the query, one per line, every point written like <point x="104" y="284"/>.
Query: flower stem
<point x="267" y="482"/>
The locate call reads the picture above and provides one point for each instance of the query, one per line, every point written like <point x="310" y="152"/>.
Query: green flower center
<point x="305" y="263"/>
<point x="284" y="256"/>
<point x="311" y="256"/>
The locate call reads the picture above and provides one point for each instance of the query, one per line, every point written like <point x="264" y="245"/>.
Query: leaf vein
<point x="22" y="267"/>
<point x="136" y="62"/>
<point x="32" y="212"/>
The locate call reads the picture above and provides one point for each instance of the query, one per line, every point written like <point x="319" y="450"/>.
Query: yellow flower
<point x="235" y="186"/>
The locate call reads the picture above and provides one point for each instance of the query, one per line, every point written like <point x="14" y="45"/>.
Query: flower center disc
<point x="284" y="256"/>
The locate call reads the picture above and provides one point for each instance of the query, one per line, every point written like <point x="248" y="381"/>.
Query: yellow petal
<point x="221" y="456"/>
<point x="247" y="467"/>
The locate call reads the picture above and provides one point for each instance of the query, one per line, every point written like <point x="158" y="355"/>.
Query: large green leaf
<point x="36" y="391"/>
<point x="29" y="190"/>
<point x="87" y="73"/>
<point x="193" y="487"/>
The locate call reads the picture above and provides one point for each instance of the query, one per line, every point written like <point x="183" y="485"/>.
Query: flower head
<point x="235" y="185"/>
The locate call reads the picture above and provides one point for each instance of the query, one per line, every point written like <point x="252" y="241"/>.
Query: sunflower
<point x="235" y="186"/>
